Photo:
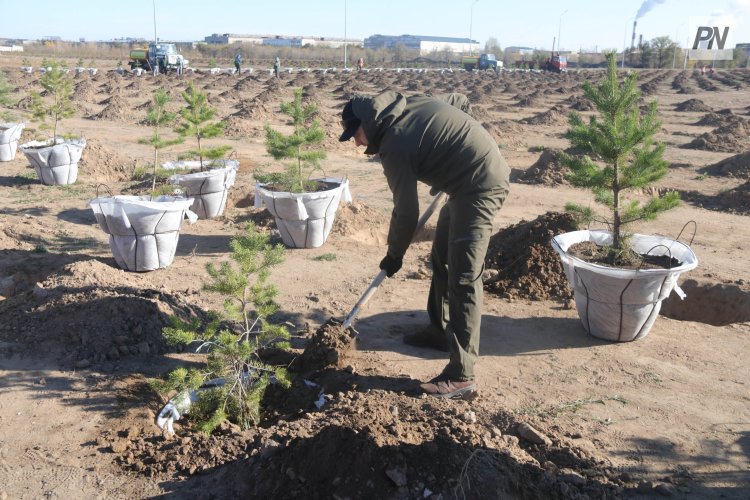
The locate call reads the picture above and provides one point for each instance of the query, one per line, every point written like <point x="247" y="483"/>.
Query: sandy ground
<point x="669" y="414"/>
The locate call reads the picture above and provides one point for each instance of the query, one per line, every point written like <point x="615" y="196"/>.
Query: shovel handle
<point x="381" y="275"/>
<point x="364" y="298"/>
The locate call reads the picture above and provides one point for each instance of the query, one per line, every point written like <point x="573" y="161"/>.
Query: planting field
<point x="667" y="415"/>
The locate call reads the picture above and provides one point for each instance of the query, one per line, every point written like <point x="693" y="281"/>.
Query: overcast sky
<point x="581" y="24"/>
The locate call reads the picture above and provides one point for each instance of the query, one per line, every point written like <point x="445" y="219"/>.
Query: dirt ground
<point x="560" y="414"/>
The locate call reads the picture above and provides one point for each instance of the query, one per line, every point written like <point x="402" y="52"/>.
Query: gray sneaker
<point x="443" y="387"/>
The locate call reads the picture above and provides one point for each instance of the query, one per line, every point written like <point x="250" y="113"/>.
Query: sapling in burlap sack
<point x="55" y="160"/>
<point x="619" y="279"/>
<point x="303" y="208"/>
<point x="10" y="132"/>
<point x="303" y="147"/>
<point x="620" y="154"/>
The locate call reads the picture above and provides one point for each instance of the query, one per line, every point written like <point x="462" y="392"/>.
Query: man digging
<point x="433" y="140"/>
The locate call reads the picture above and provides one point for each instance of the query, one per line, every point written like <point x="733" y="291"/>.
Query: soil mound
<point x="479" y="113"/>
<point x="257" y="108"/>
<point x="91" y="313"/>
<point x="547" y="170"/>
<point x="735" y="166"/>
<point x="245" y="85"/>
<point x="102" y="164"/>
<point x="236" y="126"/>
<point x="84" y="92"/>
<point x="716" y="120"/>
<point x="736" y="200"/>
<point x="580" y="103"/>
<point x="553" y="116"/>
<point x="376" y="444"/>
<point x="116" y="110"/>
<point x="693" y="105"/>
<point x="734" y="137"/>
<point x="528" y="102"/>
<point x="522" y="264"/>
<point x="360" y="222"/>
<point x="328" y="346"/>
<point x="505" y="132"/>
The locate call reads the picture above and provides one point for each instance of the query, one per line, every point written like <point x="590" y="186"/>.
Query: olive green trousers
<point x="454" y="305"/>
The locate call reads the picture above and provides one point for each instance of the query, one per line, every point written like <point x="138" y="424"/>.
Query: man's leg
<point x="470" y="231"/>
<point x="437" y="301"/>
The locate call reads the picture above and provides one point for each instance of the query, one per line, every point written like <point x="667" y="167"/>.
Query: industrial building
<point x="424" y="44"/>
<point x="522" y="51"/>
<point x="281" y="41"/>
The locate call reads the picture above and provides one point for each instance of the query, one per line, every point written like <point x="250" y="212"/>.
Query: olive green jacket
<point x="427" y="139"/>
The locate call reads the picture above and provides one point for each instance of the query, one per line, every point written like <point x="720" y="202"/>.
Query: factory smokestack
<point x="632" y="40"/>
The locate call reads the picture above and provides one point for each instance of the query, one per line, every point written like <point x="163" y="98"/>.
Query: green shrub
<point x="233" y="352"/>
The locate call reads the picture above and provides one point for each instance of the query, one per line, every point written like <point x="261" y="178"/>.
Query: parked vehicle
<point x="161" y="55"/>
<point x="482" y="62"/>
<point x="555" y="63"/>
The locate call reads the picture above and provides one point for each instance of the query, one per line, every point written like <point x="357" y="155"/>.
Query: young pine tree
<point x="158" y="117"/>
<point x="5" y="98"/>
<point x="234" y="357"/>
<point x="301" y="146"/>
<point x="197" y="115"/>
<point x="58" y="103"/>
<point x="621" y="155"/>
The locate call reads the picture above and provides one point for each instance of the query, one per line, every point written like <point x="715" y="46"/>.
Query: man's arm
<point x="403" y="184"/>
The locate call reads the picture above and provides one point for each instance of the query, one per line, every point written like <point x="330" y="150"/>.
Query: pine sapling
<point x="196" y="122"/>
<point x="5" y="98"/>
<point x="621" y="155"/>
<point x="302" y="146"/>
<point x="57" y="103"/>
<point x="234" y="365"/>
<point x="159" y="117"/>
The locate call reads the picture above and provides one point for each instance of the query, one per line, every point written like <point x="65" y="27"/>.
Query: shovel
<point x="381" y="275"/>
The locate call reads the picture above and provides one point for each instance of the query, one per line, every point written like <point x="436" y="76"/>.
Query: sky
<point x="580" y="24"/>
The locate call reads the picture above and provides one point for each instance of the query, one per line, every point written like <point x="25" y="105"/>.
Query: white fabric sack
<point x="304" y="219"/>
<point x="209" y="189"/>
<point x="143" y="234"/>
<point x="196" y="164"/>
<point x="10" y="133"/>
<point x="621" y="304"/>
<point x="55" y="162"/>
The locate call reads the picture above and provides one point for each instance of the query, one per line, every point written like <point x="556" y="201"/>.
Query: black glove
<point x="391" y="265"/>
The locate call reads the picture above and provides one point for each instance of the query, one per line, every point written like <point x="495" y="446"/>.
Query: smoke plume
<point x="646" y="6"/>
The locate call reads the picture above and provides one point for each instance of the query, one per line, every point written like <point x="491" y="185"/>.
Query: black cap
<point x="349" y="121"/>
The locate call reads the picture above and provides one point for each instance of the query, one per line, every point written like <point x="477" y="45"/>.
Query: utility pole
<point x="559" y="28"/>
<point x="471" y="26"/>
<point x="687" y="53"/>
<point x="156" y="40"/>
<point x="344" y="34"/>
